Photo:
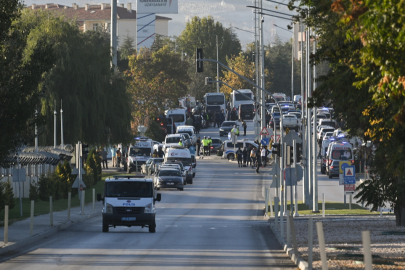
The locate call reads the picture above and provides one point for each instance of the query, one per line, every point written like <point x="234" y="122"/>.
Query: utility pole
<point x="216" y="37"/>
<point x="263" y="100"/>
<point x="303" y="116"/>
<point x="61" y="126"/>
<point x="54" y="127"/>
<point x="113" y="29"/>
<point x="315" y="176"/>
<point x="309" y="131"/>
<point x="292" y="65"/>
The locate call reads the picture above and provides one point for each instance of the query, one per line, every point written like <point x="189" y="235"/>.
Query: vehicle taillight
<point x="352" y="161"/>
<point x="330" y="161"/>
<point x="331" y="167"/>
<point x="189" y="168"/>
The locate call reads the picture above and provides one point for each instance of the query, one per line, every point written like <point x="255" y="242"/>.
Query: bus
<point x="237" y="98"/>
<point x="215" y="102"/>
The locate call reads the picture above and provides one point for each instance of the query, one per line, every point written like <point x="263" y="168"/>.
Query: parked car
<point x="216" y="145"/>
<point x="169" y="178"/>
<point x="151" y="163"/>
<point x="226" y="127"/>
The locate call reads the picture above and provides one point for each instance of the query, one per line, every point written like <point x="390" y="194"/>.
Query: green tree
<point x="126" y="49"/>
<point x="26" y="61"/>
<point x="156" y="81"/>
<point x="95" y="102"/>
<point x="9" y="198"/>
<point x="155" y="132"/>
<point x="2" y="204"/>
<point x="200" y="33"/>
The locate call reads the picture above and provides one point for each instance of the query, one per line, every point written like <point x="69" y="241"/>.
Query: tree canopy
<point x="362" y="41"/>
<point x="200" y="33"/>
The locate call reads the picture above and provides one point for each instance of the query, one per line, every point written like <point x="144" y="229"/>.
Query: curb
<point x="303" y="265"/>
<point x="45" y="234"/>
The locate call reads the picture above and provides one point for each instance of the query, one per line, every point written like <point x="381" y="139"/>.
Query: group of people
<point x="206" y="143"/>
<point x="254" y="157"/>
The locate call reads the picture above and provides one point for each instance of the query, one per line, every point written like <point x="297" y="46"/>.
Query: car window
<point x="173" y="139"/>
<point x="169" y="173"/>
<point x="228" y="124"/>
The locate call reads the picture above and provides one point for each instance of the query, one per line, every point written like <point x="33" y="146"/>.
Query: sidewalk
<point x="19" y="232"/>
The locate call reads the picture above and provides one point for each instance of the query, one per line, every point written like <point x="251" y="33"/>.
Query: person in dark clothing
<point x="239" y="154"/>
<point x="198" y="143"/>
<point x="160" y="152"/>
<point x="245" y="154"/>
<point x="221" y="117"/>
<point x="253" y="157"/>
<point x="197" y="124"/>
<point x="258" y="160"/>
<point x="267" y="119"/>
<point x="244" y="127"/>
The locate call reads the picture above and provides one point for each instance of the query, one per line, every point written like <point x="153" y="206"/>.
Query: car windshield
<point x="169" y="173"/>
<point x="342" y="154"/>
<point x="173" y="139"/>
<point x="185" y="134"/>
<point x="215" y="100"/>
<point x="139" y="152"/>
<point x="228" y="124"/>
<point x="245" y="96"/>
<point x="216" y="141"/>
<point x="184" y="161"/>
<point x="189" y="132"/>
<point x="177" y="117"/>
<point x="276" y="114"/>
<point x="246" y="107"/>
<point x="128" y="189"/>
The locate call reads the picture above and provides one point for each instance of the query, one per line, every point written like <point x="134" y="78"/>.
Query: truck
<point x="129" y="201"/>
<point x="138" y="154"/>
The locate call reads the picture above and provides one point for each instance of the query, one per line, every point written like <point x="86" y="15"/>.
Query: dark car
<point x="246" y="111"/>
<point x="216" y="145"/>
<point x="275" y="117"/>
<point x="333" y="169"/>
<point x="169" y="178"/>
<point x="226" y="127"/>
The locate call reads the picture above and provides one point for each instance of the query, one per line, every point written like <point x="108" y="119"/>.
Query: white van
<point x="179" y="153"/>
<point x="190" y="130"/>
<point x="129" y="201"/>
<point x="340" y="151"/>
<point x="178" y="115"/>
<point x="228" y="147"/>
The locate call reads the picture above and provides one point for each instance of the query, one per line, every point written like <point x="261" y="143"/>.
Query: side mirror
<point x="158" y="197"/>
<point x="99" y="198"/>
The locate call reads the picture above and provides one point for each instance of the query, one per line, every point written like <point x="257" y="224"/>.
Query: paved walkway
<point x="19" y="232"/>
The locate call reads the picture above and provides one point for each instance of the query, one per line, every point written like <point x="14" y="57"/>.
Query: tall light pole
<point x="113" y="29"/>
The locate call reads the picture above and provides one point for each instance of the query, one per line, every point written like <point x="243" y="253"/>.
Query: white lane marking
<point x="195" y="226"/>
<point x="157" y="218"/>
<point x="212" y="228"/>
<point x="174" y="226"/>
<point x="245" y="226"/>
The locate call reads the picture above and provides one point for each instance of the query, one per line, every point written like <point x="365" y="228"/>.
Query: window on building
<point x="95" y="26"/>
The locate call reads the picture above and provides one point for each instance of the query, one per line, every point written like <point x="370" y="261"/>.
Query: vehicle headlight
<point x="221" y="129"/>
<point x="108" y="208"/>
<point x="148" y="208"/>
<point x="159" y="179"/>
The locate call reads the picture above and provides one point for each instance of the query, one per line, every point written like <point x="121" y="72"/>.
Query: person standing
<point x="239" y="156"/>
<point x="245" y="154"/>
<point x="253" y="157"/>
<point x="198" y="143"/>
<point x="258" y="160"/>
<point x="181" y="142"/>
<point x="103" y="154"/>
<point x="114" y="156"/>
<point x="244" y="127"/>
<point x="119" y="157"/>
<point x="205" y="146"/>
<point x="209" y="145"/>
<point x="263" y="156"/>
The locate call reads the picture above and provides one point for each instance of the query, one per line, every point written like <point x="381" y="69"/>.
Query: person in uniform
<point x="209" y="145"/>
<point x="239" y="155"/>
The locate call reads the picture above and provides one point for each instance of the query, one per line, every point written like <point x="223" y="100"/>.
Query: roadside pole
<point x="315" y="160"/>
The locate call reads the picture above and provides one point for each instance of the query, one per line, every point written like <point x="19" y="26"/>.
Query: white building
<point x="92" y="17"/>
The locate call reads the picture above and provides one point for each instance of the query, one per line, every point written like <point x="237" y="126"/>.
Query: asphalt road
<point x="217" y="222"/>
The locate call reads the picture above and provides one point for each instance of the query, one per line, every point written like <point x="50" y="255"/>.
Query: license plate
<point x="170" y="183"/>
<point x="128" y="218"/>
<point x="248" y="115"/>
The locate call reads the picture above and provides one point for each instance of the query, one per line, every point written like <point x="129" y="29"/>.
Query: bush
<point x="1" y="196"/>
<point x="93" y="169"/>
<point x="33" y="191"/>
<point x="9" y="198"/>
<point x="44" y="188"/>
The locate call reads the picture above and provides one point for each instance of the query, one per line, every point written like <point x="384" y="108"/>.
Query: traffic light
<point x="276" y="149"/>
<point x="85" y="151"/>
<point x="298" y="152"/>
<point x="199" y="64"/>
